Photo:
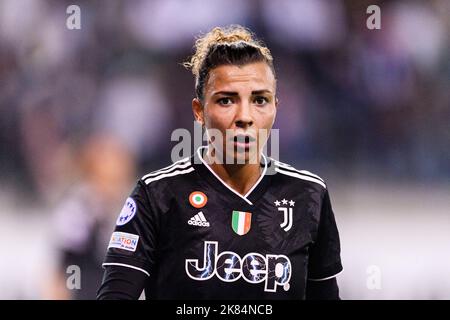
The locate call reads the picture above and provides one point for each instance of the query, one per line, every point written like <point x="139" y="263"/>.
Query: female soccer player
<point x="229" y="222"/>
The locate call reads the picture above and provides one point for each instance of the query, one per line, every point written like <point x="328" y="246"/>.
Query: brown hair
<point x="232" y="45"/>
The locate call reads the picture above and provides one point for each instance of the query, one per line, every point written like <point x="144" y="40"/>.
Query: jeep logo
<point x="273" y="270"/>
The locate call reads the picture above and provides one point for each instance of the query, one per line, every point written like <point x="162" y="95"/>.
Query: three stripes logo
<point x="199" y="220"/>
<point x="184" y="166"/>
<point x="288" y="170"/>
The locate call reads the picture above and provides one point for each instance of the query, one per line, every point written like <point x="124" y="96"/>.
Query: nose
<point x="244" y="117"/>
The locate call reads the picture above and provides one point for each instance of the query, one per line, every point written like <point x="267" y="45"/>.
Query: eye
<point x="225" y="101"/>
<point x="260" y="100"/>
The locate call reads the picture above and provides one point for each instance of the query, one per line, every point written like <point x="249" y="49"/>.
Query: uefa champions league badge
<point x="127" y="213"/>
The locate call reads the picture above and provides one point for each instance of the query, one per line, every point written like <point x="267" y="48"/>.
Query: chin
<point x="241" y="157"/>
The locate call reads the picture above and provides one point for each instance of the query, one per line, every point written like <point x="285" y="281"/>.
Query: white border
<point x="167" y="175"/>
<point x="327" y="278"/>
<point x="223" y="182"/>
<point x="125" y="265"/>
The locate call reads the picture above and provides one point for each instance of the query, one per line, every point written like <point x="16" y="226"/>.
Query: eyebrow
<point x="233" y="93"/>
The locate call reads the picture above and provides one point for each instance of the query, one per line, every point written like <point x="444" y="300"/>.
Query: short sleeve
<point x="133" y="241"/>
<point x="325" y="252"/>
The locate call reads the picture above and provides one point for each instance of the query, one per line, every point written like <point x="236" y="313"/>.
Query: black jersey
<point x="196" y="238"/>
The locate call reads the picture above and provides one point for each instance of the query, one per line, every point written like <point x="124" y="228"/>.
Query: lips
<point x="243" y="138"/>
<point x="242" y="141"/>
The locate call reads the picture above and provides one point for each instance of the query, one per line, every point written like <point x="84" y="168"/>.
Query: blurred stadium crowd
<point x="85" y="112"/>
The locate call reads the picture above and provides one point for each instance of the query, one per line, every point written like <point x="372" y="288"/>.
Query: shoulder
<point x="176" y="170"/>
<point x="303" y="176"/>
<point x="157" y="188"/>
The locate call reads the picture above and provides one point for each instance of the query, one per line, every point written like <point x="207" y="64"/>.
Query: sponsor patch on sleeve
<point x="123" y="240"/>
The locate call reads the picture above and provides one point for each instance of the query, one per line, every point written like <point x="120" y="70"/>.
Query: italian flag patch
<point x="241" y="222"/>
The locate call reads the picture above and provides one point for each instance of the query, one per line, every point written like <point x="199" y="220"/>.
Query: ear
<point x="277" y="101"/>
<point x="197" y="109"/>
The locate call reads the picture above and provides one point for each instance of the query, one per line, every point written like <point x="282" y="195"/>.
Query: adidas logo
<point x="198" y="220"/>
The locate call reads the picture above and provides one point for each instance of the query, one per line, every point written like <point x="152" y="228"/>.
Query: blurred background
<point x="84" y="113"/>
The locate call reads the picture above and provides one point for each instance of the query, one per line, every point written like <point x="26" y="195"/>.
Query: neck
<point x="240" y="177"/>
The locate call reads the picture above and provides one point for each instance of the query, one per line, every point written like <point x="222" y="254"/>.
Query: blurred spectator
<point x="50" y="115"/>
<point x="134" y="109"/>
<point x="86" y="214"/>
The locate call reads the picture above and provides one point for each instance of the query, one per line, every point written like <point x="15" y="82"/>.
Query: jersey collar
<point x="251" y="196"/>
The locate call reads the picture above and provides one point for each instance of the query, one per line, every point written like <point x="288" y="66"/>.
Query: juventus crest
<point x="286" y="207"/>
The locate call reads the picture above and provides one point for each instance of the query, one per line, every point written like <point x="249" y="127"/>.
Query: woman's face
<point x="240" y="106"/>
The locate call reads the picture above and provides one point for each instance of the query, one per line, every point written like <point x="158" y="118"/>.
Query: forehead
<point x="255" y="76"/>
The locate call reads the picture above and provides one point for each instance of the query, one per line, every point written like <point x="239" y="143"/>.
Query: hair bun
<point x="228" y="35"/>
